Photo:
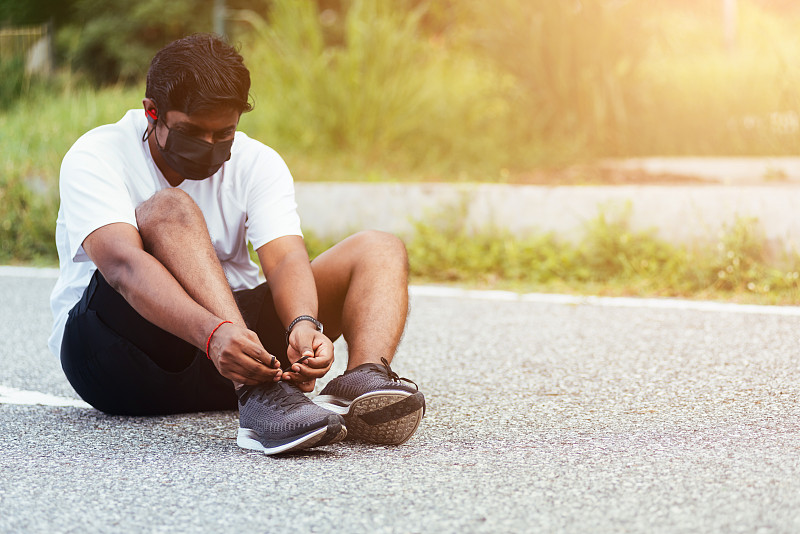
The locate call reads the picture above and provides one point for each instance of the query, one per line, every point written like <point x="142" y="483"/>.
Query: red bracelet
<point x="208" y="343"/>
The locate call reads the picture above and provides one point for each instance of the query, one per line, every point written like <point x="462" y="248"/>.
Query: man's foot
<point x="278" y="417"/>
<point x="377" y="407"/>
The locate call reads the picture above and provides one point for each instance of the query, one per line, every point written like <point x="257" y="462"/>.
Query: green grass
<point x="737" y="266"/>
<point x="383" y="94"/>
<point x="488" y="99"/>
<point x="387" y="101"/>
<point x="35" y="133"/>
<point x="697" y="97"/>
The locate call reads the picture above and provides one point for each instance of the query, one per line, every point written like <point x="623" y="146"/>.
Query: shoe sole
<point x="387" y="417"/>
<point x="332" y="433"/>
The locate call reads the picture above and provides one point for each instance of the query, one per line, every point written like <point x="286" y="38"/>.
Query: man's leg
<point x="122" y="364"/>
<point x="174" y="231"/>
<point x="362" y="284"/>
<point x="363" y="290"/>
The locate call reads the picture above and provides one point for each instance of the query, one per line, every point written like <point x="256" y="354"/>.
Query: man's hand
<point x="311" y="354"/>
<point x="239" y="356"/>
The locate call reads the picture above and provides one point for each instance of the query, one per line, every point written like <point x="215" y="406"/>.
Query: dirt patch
<point x="596" y="175"/>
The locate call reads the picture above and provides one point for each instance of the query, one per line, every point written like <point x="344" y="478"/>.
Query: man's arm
<point x="156" y="295"/>
<point x="294" y="292"/>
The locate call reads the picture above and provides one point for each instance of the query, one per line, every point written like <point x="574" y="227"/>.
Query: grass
<point x="487" y="99"/>
<point x="35" y="134"/>
<point x="384" y="101"/>
<point x="738" y="266"/>
<point x="708" y="99"/>
<point x="379" y="95"/>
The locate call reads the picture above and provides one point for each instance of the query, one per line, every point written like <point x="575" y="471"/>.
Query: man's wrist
<point x="310" y="320"/>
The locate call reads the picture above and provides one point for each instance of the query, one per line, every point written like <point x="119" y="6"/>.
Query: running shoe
<point x="277" y="417"/>
<point x="377" y="406"/>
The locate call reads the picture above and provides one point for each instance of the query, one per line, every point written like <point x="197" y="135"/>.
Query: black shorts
<point x="122" y="364"/>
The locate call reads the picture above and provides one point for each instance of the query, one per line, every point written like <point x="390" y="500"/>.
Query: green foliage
<point x="609" y="259"/>
<point x="35" y="133"/>
<point x="743" y="262"/>
<point x="12" y="81"/>
<point x="386" y="93"/>
<point x="18" y="12"/>
<point x="574" y="64"/>
<point x="114" y="40"/>
<point x="471" y="89"/>
<point x="27" y="224"/>
<point x="701" y="98"/>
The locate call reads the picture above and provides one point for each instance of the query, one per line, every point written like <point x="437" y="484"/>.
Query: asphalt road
<point x="542" y="417"/>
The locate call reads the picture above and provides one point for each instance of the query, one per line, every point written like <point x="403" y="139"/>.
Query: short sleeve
<point x="271" y="206"/>
<point x="93" y="195"/>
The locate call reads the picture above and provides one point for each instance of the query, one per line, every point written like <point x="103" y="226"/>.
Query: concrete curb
<point x="726" y="171"/>
<point x="679" y="214"/>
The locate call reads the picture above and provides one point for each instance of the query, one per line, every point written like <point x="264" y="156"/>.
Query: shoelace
<point x="282" y="398"/>
<point x="289" y="367"/>
<point x="394" y="376"/>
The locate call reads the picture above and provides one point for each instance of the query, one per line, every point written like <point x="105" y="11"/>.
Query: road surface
<point x="545" y="414"/>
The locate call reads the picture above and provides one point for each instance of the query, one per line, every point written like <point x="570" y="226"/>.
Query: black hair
<point x="200" y="72"/>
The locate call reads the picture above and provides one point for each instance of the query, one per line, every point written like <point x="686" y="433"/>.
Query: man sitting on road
<point x="158" y="308"/>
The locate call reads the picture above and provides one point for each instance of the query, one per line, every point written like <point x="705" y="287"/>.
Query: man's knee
<point x="382" y="246"/>
<point x="168" y="207"/>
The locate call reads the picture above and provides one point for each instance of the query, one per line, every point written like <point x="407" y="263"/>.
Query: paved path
<point x="544" y="415"/>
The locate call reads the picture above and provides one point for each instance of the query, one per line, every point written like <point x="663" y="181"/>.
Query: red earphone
<point x="151" y="115"/>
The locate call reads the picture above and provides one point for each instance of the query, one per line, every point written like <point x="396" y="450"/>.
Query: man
<point x="158" y="308"/>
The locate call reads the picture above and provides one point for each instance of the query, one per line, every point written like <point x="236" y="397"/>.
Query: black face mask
<point x="193" y="158"/>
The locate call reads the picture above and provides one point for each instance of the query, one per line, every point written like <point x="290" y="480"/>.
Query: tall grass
<point x="600" y="78"/>
<point x="698" y="97"/>
<point x="515" y="85"/>
<point x="35" y="134"/>
<point x="382" y="94"/>
<point x="574" y="68"/>
<point x="386" y="94"/>
<point x="609" y="259"/>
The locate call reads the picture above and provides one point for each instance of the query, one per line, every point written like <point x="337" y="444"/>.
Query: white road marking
<point x="611" y="302"/>
<point x="10" y="395"/>
<point x="28" y="272"/>
<point x="545" y="298"/>
<point x="34" y="398"/>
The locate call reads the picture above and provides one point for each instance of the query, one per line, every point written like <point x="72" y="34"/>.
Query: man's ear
<point x="150" y="110"/>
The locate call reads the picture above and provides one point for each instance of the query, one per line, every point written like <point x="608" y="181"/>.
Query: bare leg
<point x="174" y="231"/>
<point x="362" y="284"/>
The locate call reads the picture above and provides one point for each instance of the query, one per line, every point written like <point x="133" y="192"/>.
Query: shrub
<point x="27" y="222"/>
<point x="12" y="81"/>
<point x="610" y="258"/>
<point x="386" y="93"/>
<point x="574" y="66"/>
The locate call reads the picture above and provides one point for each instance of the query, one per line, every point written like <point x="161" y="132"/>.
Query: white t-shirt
<point x="109" y="171"/>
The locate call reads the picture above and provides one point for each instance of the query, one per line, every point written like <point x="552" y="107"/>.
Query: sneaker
<point x="277" y="417"/>
<point x="376" y="405"/>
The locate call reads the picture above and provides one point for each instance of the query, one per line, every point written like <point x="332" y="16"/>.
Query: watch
<point x="317" y="325"/>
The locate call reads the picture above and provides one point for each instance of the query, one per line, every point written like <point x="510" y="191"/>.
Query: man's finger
<point x="248" y="367"/>
<point x="305" y="354"/>
<point x="302" y="359"/>
<point x="305" y="373"/>
<point x="323" y="357"/>
<point x="317" y="362"/>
